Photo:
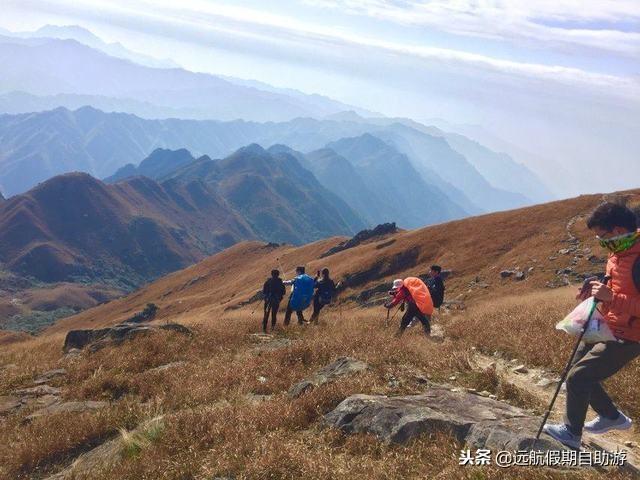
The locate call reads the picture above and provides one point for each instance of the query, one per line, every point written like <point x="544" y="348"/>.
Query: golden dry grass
<point x="212" y="426"/>
<point x="213" y="423"/>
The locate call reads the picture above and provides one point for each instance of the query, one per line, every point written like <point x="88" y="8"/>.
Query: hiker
<point x="436" y="285"/>
<point x="300" y="297"/>
<point x="325" y="290"/>
<point x="272" y="291"/>
<point x="616" y="229"/>
<point x="413" y="293"/>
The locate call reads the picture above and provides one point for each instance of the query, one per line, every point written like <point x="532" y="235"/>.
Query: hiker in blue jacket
<point x="300" y="297"/>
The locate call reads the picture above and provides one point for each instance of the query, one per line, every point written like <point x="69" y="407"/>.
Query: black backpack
<point x="325" y="295"/>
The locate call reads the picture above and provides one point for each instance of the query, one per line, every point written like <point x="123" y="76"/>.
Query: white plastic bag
<point x="597" y="330"/>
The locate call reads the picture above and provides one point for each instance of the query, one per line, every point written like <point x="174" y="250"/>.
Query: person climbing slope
<point x="413" y="293"/>
<point x="300" y="297"/>
<point x="436" y="285"/>
<point x="325" y="291"/>
<point x="272" y="291"/>
<point x="616" y="228"/>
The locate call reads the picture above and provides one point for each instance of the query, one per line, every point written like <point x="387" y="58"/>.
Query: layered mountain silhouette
<point x="75" y="227"/>
<point x="41" y="145"/>
<point x="341" y="177"/>
<point x="392" y="178"/>
<point x="434" y="158"/>
<point x="44" y="66"/>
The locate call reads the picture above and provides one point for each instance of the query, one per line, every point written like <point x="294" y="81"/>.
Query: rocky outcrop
<point x="111" y="452"/>
<point x="68" y="407"/>
<point x="38" y="396"/>
<point x="478" y="421"/>
<point x="362" y="236"/>
<point x="341" y="367"/>
<point x="98" y="338"/>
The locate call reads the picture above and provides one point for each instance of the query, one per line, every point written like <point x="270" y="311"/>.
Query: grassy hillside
<point x="224" y="410"/>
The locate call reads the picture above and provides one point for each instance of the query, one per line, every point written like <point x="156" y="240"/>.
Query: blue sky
<point x="560" y="77"/>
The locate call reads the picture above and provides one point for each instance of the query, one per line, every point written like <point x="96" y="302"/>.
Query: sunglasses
<point x="619" y="243"/>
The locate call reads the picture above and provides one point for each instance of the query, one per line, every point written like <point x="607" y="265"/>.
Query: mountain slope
<point x="279" y="198"/>
<point x="74" y="227"/>
<point x="392" y="176"/>
<point x="476" y="247"/>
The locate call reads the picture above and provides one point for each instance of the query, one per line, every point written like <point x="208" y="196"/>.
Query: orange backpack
<point x="420" y="294"/>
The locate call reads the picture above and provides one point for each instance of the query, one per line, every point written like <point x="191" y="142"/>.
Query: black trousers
<point x="317" y="306"/>
<point x="287" y="315"/>
<point x="412" y="312"/>
<point x="270" y="306"/>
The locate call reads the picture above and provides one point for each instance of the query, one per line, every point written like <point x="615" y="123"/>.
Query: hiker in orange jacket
<point x="615" y="227"/>
<point x="402" y="295"/>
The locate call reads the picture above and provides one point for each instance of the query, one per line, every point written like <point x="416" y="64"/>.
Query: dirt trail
<point x="542" y="384"/>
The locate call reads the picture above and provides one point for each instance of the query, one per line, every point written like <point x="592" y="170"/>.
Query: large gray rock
<point x="477" y="420"/>
<point x="107" y="455"/>
<point x="68" y="407"/>
<point x="46" y="377"/>
<point x="98" y="338"/>
<point x="9" y="403"/>
<point x="341" y="367"/>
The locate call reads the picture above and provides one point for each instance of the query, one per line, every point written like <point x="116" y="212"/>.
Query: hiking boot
<point x="602" y="424"/>
<point x="562" y="434"/>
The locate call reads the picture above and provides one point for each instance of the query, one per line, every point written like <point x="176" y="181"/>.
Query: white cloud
<point x="514" y="20"/>
<point x="286" y="32"/>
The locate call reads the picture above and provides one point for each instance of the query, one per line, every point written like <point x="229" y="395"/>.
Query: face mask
<point x="620" y="243"/>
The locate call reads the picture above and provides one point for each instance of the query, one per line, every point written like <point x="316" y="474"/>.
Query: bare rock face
<point x="98" y="338"/>
<point x="341" y="367"/>
<point x="46" y="377"/>
<point x="68" y="407"/>
<point x="476" y="420"/>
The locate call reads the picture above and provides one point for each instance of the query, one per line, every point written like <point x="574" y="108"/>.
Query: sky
<point x="558" y="78"/>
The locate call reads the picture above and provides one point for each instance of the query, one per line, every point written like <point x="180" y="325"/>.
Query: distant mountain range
<point x="35" y="147"/>
<point x="84" y="36"/>
<point x="70" y="69"/>
<point x="76" y="228"/>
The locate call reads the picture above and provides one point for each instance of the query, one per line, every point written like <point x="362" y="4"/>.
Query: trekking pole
<point x="567" y="368"/>
<point x="394" y="316"/>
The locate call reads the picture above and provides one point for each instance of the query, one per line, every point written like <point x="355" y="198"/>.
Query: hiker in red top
<point x="413" y="293"/>
<point x="615" y="227"/>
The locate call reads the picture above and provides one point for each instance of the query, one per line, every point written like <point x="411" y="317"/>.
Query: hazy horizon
<point x="560" y="80"/>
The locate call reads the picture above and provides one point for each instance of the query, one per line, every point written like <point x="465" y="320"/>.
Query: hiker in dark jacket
<point x="325" y="290"/>
<point x="436" y="285"/>
<point x="272" y="291"/>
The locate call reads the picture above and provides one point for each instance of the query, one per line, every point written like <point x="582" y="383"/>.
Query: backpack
<point x="437" y="294"/>
<point x="302" y="292"/>
<point x="325" y="295"/>
<point x="420" y="294"/>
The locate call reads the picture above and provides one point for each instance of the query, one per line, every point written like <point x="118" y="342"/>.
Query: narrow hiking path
<point x="542" y="384"/>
